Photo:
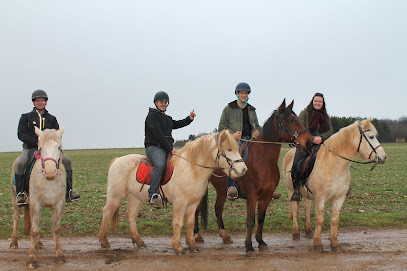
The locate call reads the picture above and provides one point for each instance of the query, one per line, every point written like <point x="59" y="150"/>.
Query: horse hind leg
<point x="132" y="213"/>
<point x="110" y="213"/>
<point x="308" y="227"/>
<point x="16" y="219"/>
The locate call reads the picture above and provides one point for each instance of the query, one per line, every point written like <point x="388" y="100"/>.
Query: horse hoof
<point x="199" y="239"/>
<point x="318" y="249"/>
<point x="139" y="243"/>
<point x="32" y="265"/>
<point x="39" y="245"/>
<point x="296" y="236"/>
<point x="309" y="234"/>
<point x="181" y="252"/>
<point x="336" y="249"/>
<point x="105" y="244"/>
<point x="250" y="253"/>
<point x="263" y="247"/>
<point x="14" y="245"/>
<point x="60" y="259"/>
<point x="227" y="241"/>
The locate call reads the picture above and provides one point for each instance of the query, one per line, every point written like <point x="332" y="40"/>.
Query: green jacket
<point x="304" y="118"/>
<point x="232" y="118"/>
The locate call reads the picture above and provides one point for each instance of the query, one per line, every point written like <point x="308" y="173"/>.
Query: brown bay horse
<point x="263" y="174"/>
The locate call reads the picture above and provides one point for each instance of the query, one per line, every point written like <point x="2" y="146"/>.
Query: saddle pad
<point x="144" y="172"/>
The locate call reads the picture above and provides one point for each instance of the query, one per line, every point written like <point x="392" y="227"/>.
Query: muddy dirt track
<point x="362" y="249"/>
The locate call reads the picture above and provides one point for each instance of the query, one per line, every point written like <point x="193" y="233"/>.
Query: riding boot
<point x="297" y="186"/>
<point x="232" y="192"/>
<point x="71" y="194"/>
<point x="21" y="195"/>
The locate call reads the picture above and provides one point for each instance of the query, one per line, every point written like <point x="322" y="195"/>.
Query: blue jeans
<point x="245" y="153"/>
<point x="157" y="157"/>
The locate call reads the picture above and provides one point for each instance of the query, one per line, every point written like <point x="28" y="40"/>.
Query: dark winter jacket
<point x="26" y="131"/>
<point x="158" y="129"/>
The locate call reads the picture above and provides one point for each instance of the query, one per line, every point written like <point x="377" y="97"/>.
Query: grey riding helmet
<point x="39" y="93"/>
<point x="242" y="87"/>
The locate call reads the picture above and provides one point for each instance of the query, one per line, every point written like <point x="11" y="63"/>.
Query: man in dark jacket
<point x="158" y="140"/>
<point x="40" y="118"/>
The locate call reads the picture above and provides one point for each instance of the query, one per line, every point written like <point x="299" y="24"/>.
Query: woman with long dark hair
<point x="315" y="118"/>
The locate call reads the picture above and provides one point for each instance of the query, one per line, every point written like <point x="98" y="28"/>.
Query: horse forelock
<point x="49" y="135"/>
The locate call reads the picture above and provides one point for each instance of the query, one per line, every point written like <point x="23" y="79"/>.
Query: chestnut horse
<point x="47" y="189"/>
<point x="193" y="164"/>
<point x="263" y="174"/>
<point x="330" y="177"/>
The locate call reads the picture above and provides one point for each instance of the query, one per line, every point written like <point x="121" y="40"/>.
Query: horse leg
<point x="336" y="209"/>
<point x="250" y="221"/>
<point x="219" y="205"/>
<point x="110" y="208"/>
<point x="35" y="212"/>
<point x="308" y="227"/>
<point x="261" y="214"/>
<point x="189" y="225"/>
<point x="16" y="219"/>
<point x="179" y="208"/>
<point x="56" y="229"/>
<point x="295" y="206"/>
<point x="198" y="237"/>
<point x="132" y="213"/>
<point x="319" y="220"/>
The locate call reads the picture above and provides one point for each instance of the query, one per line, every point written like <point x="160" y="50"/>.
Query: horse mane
<point x="344" y="138"/>
<point x="48" y="135"/>
<point x="194" y="150"/>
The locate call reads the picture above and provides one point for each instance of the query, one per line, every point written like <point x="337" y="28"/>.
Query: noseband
<point x="293" y="135"/>
<point x="38" y="156"/>
<point x="228" y="160"/>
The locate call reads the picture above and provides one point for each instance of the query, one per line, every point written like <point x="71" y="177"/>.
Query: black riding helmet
<point x="161" y="96"/>
<point x="242" y="87"/>
<point x="39" y="93"/>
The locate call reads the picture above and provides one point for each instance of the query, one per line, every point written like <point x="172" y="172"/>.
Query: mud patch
<point x="361" y="250"/>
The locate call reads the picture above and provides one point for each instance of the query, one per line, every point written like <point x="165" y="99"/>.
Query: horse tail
<point x="115" y="219"/>
<point x="27" y="220"/>
<point x="204" y="210"/>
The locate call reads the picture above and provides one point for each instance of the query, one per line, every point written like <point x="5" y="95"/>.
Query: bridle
<point x="293" y="135"/>
<point x="362" y="135"/>
<point x="38" y="156"/>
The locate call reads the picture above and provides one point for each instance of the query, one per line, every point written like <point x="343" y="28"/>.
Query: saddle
<point x="306" y="165"/>
<point x="144" y="171"/>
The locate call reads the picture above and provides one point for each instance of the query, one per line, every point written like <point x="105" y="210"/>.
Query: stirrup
<point x="70" y="199"/>
<point x="25" y="196"/>
<point x="155" y="199"/>
<point x="232" y="193"/>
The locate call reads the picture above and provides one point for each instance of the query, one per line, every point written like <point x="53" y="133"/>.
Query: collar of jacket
<point x="45" y="111"/>
<point x="155" y="110"/>
<point x="234" y="105"/>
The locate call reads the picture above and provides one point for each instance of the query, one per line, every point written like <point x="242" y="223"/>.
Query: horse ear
<point x="282" y="107"/>
<point x="38" y="131"/>
<point x="290" y="106"/>
<point x="61" y="131"/>
<point x="369" y="120"/>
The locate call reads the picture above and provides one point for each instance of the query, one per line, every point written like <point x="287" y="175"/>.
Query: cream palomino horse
<point x="330" y="178"/>
<point x="47" y="189"/>
<point x="193" y="165"/>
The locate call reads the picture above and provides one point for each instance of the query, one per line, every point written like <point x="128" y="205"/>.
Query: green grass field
<point x="378" y="199"/>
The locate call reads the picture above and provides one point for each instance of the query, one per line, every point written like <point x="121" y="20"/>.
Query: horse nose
<point x="244" y="170"/>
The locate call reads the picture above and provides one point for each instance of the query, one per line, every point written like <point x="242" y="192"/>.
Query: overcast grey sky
<point x="102" y="61"/>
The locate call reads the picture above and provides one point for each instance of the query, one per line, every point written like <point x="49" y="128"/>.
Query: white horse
<point x="330" y="178"/>
<point x="47" y="189"/>
<point x="193" y="165"/>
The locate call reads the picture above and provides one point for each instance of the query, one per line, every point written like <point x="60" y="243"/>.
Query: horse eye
<point x="59" y="148"/>
<point x="371" y="137"/>
<point x="229" y="149"/>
